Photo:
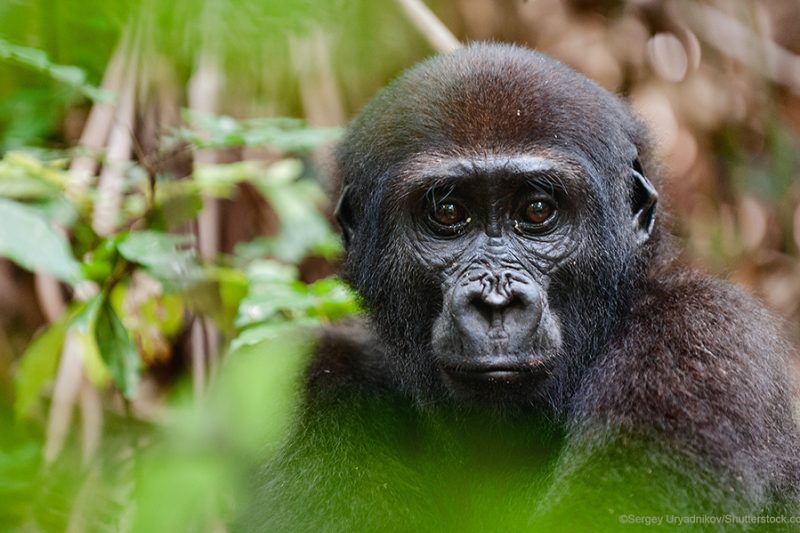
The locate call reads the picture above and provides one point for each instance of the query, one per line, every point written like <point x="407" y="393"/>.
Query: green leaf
<point x="57" y="211"/>
<point x="117" y="350"/>
<point x="233" y="286"/>
<point x="84" y="325"/>
<point x="275" y="295"/>
<point x="30" y="241"/>
<point x="274" y="333"/>
<point x="268" y="271"/>
<point x="37" y="367"/>
<point x="155" y="249"/>
<point x="221" y="180"/>
<point x="25" y="188"/>
<point x="281" y="133"/>
<point x="284" y="172"/>
<point x="38" y="61"/>
<point x="257" y="392"/>
<point x="166" y="312"/>
<point x="178" y="209"/>
<point x="167" y="256"/>
<point x="96" y="270"/>
<point x="68" y="74"/>
<point x="335" y="299"/>
<point x="329" y="247"/>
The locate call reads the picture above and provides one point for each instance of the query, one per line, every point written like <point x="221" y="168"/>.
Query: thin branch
<point x="204" y="90"/>
<point x="426" y="22"/>
<point x="48" y="292"/>
<point x="91" y="420"/>
<point x="65" y="395"/>
<point x="199" y="355"/>
<point x="119" y="149"/>
<point x="95" y="132"/>
<point x="319" y="91"/>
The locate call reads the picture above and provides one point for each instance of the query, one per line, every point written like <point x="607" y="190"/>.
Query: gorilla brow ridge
<point x="456" y="167"/>
<point x="552" y="181"/>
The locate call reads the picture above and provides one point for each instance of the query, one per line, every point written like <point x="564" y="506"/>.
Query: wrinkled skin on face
<point x="498" y="229"/>
<point x="496" y="329"/>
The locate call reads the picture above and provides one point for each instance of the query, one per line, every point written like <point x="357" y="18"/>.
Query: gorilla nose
<point x="492" y="306"/>
<point x="497" y="299"/>
<point x="498" y="306"/>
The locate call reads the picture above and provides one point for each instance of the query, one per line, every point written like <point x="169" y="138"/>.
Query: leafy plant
<point x="141" y="284"/>
<point x="37" y="60"/>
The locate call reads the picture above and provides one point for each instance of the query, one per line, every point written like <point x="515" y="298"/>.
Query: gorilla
<point x="533" y="356"/>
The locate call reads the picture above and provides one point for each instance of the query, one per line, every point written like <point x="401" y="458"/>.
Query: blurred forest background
<point x="167" y="234"/>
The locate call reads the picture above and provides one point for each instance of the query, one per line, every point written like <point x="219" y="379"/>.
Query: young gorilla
<point x="533" y="356"/>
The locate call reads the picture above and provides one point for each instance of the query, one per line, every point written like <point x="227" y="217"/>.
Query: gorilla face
<point x="500" y="236"/>
<point x="493" y="230"/>
<point x="490" y="243"/>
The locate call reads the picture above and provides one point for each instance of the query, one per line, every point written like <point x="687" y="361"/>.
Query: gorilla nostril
<point x="496" y="300"/>
<point x="486" y="311"/>
<point x="493" y="306"/>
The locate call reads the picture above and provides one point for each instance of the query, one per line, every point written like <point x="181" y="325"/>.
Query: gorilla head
<point x="497" y="219"/>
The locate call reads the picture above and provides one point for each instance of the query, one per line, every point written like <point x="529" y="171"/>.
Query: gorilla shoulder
<point x="348" y="364"/>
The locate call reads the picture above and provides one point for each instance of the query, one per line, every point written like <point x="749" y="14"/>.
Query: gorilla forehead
<point x="486" y="99"/>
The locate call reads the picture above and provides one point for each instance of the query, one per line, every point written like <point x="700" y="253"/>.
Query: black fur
<point x="637" y="387"/>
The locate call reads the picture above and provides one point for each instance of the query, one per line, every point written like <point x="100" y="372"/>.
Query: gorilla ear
<point x="345" y="216"/>
<point x="643" y="204"/>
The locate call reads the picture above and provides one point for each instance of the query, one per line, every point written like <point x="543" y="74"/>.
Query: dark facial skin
<point x="493" y="231"/>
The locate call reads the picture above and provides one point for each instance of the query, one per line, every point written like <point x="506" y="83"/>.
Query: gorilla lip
<point x="499" y="372"/>
<point x="495" y="375"/>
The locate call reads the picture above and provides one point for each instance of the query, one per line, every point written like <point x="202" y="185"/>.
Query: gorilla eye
<point x="537" y="215"/>
<point x="538" y="212"/>
<point x="449" y="216"/>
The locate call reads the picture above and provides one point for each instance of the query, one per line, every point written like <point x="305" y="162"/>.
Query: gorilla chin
<point x="499" y="363"/>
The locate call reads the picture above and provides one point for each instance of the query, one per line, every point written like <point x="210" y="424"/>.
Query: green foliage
<point x="117" y="350"/>
<point x="20" y="458"/>
<point x="284" y="134"/>
<point x="144" y="281"/>
<point x="84" y="326"/>
<point x="22" y="226"/>
<point x="276" y="293"/>
<point x="167" y="257"/>
<point x="297" y="203"/>
<point x="252" y="298"/>
<point x="23" y="177"/>
<point x="38" y="61"/>
<point x="278" y="301"/>
<point x="38" y="367"/>
<point x="139" y="287"/>
<point x="203" y="452"/>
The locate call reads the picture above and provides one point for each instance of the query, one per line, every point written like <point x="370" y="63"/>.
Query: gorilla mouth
<point x="500" y="371"/>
